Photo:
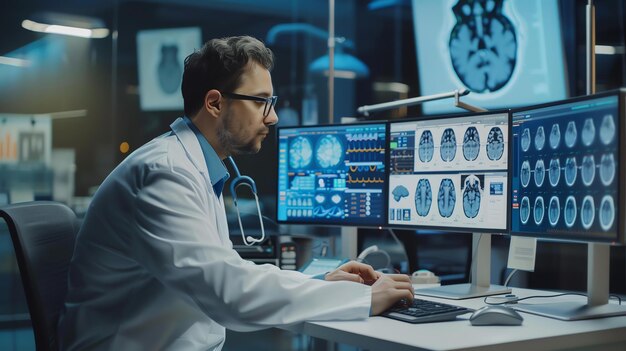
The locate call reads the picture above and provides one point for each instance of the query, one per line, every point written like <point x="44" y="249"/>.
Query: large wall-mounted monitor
<point x="566" y="169"/>
<point x="332" y="175"/>
<point x="508" y="53"/>
<point x="450" y="172"/>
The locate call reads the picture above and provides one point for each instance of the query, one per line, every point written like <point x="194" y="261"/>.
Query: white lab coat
<point x="154" y="267"/>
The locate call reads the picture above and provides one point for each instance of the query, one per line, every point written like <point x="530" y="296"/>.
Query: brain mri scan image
<point x="446" y="198"/>
<point x="329" y="151"/>
<point x="448" y="145"/>
<point x="399" y="192"/>
<point x="589" y="132"/>
<point x="569" y="212"/>
<point x="571" y="134"/>
<point x="607" y="169"/>
<point x="423" y="197"/>
<point x="426" y="146"/>
<point x="571" y="170"/>
<point x="554" y="211"/>
<point x="607" y="212"/>
<point x="607" y="130"/>
<point x="587" y="212"/>
<point x="554" y="172"/>
<point x="525" y="140"/>
<point x="471" y="144"/>
<point x="471" y="196"/>
<point x="524" y="173"/>
<point x="540" y="173"/>
<point x="524" y="210"/>
<point x="555" y="136"/>
<point x="540" y="138"/>
<point x="588" y="170"/>
<point x="539" y="210"/>
<point x="483" y="45"/>
<point x="300" y="152"/>
<point x="495" y="144"/>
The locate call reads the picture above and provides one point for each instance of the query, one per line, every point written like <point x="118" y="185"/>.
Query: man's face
<point x="243" y="126"/>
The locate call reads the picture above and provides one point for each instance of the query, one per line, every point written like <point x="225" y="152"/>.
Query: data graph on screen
<point x="449" y="172"/>
<point x="333" y="174"/>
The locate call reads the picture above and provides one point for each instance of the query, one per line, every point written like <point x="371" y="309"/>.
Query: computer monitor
<point x="507" y="53"/>
<point x="568" y="184"/>
<point x="332" y="175"/>
<point x="565" y="170"/>
<point x="451" y="173"/>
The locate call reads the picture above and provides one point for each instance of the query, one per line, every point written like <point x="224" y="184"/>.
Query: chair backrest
<point x="43" y="235"/>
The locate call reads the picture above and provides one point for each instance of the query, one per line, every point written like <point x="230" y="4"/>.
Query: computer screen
<point x="333" y="174"/>
<point x="449" y="172"/>
<point x="566" y="169"/>
<point x="507" y="53"/>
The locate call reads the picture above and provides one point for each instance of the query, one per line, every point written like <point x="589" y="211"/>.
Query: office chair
<point x="43" y="235"/>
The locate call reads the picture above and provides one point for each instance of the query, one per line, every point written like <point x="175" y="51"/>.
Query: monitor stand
<point x="597" y="305"/>
<point x="481" y="275"/>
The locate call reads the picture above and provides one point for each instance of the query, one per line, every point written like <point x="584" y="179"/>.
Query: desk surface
<point x="536" y="332"/>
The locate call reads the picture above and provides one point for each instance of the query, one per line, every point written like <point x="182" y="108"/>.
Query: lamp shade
<point x="345" y="65"/>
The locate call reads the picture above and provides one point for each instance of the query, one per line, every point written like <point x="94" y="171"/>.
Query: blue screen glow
<point x="332" y="174"/>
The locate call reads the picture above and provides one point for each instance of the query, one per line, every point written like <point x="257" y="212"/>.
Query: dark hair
<point x="219" y="65"/>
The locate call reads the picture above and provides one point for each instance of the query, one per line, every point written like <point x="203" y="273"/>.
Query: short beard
<point x="230" y="144"/>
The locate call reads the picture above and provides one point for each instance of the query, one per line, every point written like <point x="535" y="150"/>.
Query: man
<point x="154" y="267"/>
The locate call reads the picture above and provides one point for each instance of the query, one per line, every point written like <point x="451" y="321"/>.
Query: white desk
<point x="536" y="333"/>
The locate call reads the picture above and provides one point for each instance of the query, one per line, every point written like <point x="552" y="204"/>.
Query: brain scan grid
<point x="449" y="172"/>
<point x="565" y="164"/>
<point x="333" y="175"/>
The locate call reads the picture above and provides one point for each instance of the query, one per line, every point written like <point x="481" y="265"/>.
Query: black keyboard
<point x="422" y="311"/>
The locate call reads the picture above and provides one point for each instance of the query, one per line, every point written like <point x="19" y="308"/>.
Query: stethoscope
<point x="238" y="181"/>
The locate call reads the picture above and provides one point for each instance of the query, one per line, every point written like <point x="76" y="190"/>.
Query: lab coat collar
<point x="190" y="144"/>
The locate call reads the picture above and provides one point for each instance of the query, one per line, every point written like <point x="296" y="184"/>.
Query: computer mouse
<point x="496" y="315"/>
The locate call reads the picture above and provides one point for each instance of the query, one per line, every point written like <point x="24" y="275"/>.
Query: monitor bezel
<point x="621" y="190"/>
<point x="462" y="229"/>
<point x="340" y="222"/>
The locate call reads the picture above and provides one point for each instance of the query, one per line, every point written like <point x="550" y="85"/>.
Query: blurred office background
<point x="72" y="108"/>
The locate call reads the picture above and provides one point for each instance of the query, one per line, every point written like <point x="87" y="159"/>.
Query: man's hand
<point x="389" y="289"/>
<point x="355" y="272"/>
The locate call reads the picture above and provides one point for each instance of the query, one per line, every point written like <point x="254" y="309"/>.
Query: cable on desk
<point x="508" y="278"/>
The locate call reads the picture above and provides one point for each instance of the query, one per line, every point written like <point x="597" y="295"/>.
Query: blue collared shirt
<point x="217" y="171"/>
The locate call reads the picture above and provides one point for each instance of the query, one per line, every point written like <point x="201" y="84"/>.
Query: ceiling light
<point x="58" y="23"/>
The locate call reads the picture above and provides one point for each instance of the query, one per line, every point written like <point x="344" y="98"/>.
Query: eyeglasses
<point x="269" y="101"/>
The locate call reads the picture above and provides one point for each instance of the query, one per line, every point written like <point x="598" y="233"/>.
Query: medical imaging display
<point x="538" y="210"/>
<point x="607" y="169"/>
<point x="554" y="172"/>
<point x="540" y="172"/>
<point x="334" y="175"/>
<point x="569" y="212"/>
<point x="426" y="146"/>
<point x="571" y="134"/>
<point x="540" y="138"/>
<point x="446" y="198"/>
<point x="555" y="136"/>
<point x="471" y="144"/>
<point x="589" y="132"/>
<point x="449" y="172"/>
<point x="423" y="197"/>
<point x="571" y="170"/>
<point x="471" y="195"/>
<point x="448" y="145"/>
<point x="495" y="144"/>
<point x="588" y="170"/>
<point x="579" y="198"/>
